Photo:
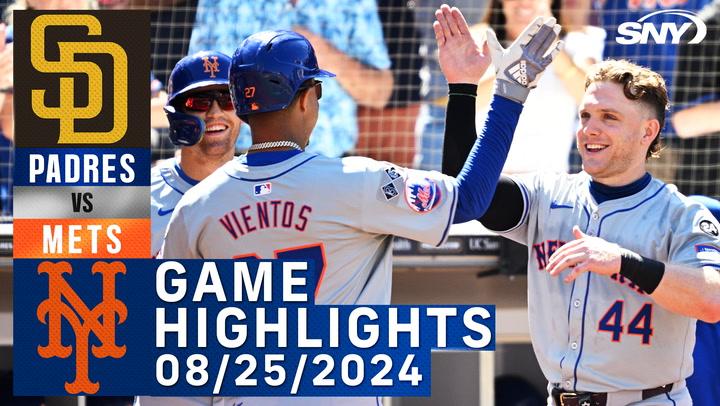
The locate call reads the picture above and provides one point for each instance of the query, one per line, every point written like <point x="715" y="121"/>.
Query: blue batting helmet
<point x="202" y="69"/>
<point x="268" y="69"/>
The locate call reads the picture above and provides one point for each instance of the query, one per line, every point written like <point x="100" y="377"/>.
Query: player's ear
<point x="651" y="128"/>
<point x="303" y="100"/>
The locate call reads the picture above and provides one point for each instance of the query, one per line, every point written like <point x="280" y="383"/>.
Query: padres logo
<point x="67" y="112"/>
<point x="82" y="319"/>
<point x="211" y="67"/>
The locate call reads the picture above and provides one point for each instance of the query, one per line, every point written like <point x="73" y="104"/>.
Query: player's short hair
<point x="638" y="84"/>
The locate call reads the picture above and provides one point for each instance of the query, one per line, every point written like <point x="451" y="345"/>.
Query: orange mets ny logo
<point x="211" y="67"/>
<point x="82" y="319"/>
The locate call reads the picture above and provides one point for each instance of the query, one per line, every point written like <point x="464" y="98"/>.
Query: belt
<point x="562" y="398"/>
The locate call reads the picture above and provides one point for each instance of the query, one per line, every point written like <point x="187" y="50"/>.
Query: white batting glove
<point x="518" y="68"/>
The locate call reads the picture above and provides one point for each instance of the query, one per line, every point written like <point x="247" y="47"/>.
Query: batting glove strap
<point x="511" y="90"/>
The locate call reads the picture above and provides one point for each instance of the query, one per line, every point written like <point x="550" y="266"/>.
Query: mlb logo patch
<point x="422" y="195"/>
<point x="262" y="189"/>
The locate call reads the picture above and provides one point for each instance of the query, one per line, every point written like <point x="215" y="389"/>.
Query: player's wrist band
<point x="462" y="89"/>
<point x="6" y="89"/>
<point x="646" y="273"/>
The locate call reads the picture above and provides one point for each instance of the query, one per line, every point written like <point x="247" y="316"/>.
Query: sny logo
<point x="211" y="67"/>
<point x="639" y="32"/>
<point x="67" y="113"/>
<point x="82" y="319"/>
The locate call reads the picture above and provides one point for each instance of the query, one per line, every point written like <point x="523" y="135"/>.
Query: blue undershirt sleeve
<point x="479" y="175"/>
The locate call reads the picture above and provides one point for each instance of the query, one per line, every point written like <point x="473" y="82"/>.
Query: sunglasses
<point x="313" y="83"/>
<point x="203" y="101"/>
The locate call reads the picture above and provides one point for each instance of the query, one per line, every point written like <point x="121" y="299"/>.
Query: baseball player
<point x="281" y="202"/>
<point x="203" y="123"/>
<point x="621" y="264"/>
<point x="704" y="383"/>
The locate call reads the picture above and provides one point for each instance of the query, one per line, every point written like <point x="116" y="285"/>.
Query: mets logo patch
<point x="422" y="195"/>
<point x="262" y="189"/>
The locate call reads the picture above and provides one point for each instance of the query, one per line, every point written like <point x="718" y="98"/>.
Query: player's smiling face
<point x="614" y="134"/>
<point x="222" y="125"/>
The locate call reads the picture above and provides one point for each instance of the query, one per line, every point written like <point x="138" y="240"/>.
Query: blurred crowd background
<point x="388" y="101"/>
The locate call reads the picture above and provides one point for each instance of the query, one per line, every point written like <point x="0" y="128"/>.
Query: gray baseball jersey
<point x="342" y="213"/>
<point x="603" y="334"/>
<point x="168" y="183"/>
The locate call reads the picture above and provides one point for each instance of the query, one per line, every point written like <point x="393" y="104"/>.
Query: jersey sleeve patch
<point x="393" y="173"/>
<point x="390" y="191"/>
<point x="422" y="194"/>
<point x="392" y="182"/>
<point x="708" y="227"/>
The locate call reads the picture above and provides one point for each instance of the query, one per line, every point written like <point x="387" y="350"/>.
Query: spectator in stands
<point x="697" y="105"/>
<point x="388" y="134"/>
<point x="545" y="132"/>
<point x="347" y="37"/>
<point x="430" y="125"/>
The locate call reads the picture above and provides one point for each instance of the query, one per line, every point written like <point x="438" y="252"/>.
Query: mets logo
<point x="64" y="303"/>
<point x="422" y="195"/>
<point x="211" y="67"/>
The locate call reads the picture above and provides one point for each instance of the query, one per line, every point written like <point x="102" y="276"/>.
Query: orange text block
<point x="81" y="238"/>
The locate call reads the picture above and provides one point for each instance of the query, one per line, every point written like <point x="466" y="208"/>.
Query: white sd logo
<point x="639" y="32"/>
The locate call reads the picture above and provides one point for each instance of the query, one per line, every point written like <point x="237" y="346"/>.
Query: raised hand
<point x="461" y="59"/>
<point x="519" y="67"/>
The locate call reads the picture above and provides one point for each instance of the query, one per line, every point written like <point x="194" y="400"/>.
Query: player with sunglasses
<point x="202" y="123"/>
